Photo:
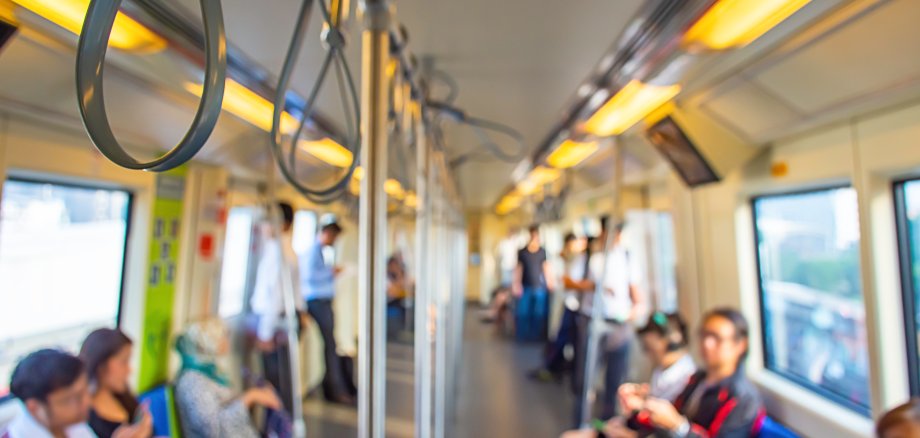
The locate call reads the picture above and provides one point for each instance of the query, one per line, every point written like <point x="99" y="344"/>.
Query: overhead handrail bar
<point x="91" y="50"/>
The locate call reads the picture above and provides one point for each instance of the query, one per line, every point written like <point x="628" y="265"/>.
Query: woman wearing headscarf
<point x="209" y="408"/>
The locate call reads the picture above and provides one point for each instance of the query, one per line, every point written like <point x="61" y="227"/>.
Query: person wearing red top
<point x="718" y="402"/>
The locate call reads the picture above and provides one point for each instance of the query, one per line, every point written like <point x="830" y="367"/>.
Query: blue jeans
<point x="531" y="314"/>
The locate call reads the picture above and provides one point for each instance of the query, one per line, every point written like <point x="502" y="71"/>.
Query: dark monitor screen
<point x="672" y="142"/>
<point x="7" y="31"/>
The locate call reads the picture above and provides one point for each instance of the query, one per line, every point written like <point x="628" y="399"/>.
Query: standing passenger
<point x="318" y="284"/>
<point x="54" y="392"/>
<point x="619" y="303"/>
<point x="531" y="286"/>
<point x="556" y="363"/>
<point x="107" y="356"/>
<point x="267" y="302"/>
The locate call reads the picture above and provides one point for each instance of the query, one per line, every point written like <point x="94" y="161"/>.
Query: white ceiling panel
<point x="876" y="52"/>
<point x="749" y="109"/>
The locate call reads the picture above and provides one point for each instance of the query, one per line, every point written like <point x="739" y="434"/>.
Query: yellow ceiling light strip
<point x="328" y="151"/>
<point x="626" y="108"/>
<point x="249" y="106"/>
<point x="7" y="12"/>
<point x="536" y="179"/>
<point x="736" y="23"/>
<point x="127" y="34"/>
<point x="411" y="200"/>
<point x="571" y="153"/>
<point x="508" y="203"/>
<point x="393" y="188"/>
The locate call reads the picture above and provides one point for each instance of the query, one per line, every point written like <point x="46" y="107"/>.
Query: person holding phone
<point x="115" y="412"/>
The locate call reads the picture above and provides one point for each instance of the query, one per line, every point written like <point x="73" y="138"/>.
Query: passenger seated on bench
<point x="900" y="422"/>
<point x="54" y="392"/>
<point x="719" y="401"/>
<point x="107" y="356"/>
<point x="206" y="404"/>
<point x="664" y="340"/>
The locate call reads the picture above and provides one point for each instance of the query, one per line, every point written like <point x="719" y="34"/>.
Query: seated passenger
<point x="719" y="401"/>
<point x="54" y="391"/>
<point x="664" y="340"/>
<point x="206" y="404"/>
<point x="107" y="356"/>
<point x="900" y="422"/>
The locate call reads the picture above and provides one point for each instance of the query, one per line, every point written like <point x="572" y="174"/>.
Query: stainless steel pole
<point x="596" y="324"/>
<point x="373" y="222"/>
<point x="423" y="290"/>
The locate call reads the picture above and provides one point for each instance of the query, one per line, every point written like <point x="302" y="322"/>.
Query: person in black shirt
<point x="532" y="282"/>
<point x="107" y="355"/>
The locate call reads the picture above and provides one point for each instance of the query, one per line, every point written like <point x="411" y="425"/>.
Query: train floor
<point x="495" y="398"/>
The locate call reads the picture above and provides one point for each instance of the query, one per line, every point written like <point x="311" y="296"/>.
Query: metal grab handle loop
<point x="91" y="50"/>
<point x="327" y="194"/>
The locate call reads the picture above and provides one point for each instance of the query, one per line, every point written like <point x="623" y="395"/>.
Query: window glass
<point x="304" y="233"/>
<point x="62" y="252"/>
<point x="811" y="295"/>
<point x="235" y="266"/>
<point x="909" y="218"/>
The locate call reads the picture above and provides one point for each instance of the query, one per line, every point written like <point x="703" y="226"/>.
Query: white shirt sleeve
<point x="266" y="298"/>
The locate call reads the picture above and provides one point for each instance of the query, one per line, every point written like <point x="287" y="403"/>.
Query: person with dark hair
<point x="54" y="392"/>
<point x="719" y="401"/>
<point x="532" y="283"/>
<point x="555" y="363"/>
<point x="664" y="340"/>
<point x="318" y="284"/>
<point x="107" y="356"/>
<point x="900" y="422"/>
<point x="267" y="303"/>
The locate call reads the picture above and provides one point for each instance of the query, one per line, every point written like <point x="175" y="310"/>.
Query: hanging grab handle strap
<point x="91" y="51"/>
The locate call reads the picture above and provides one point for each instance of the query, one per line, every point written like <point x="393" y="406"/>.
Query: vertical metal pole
<point x="442" y="290"/>
<point x="423" y="290"/>
<point x="597" y="324"/>
<point x="372" y="226"/>
<point x="459" y="309"/>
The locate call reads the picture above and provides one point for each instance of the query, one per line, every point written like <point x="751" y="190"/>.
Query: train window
<point x="907" y="200"/>
<point x="62" y="251"/>
<point x="811" y="296"/>
<point x="235" y="266"/>
<point x="304" y="232"/>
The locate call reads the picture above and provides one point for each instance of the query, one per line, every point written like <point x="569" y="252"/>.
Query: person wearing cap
<point x="318" y="287"/>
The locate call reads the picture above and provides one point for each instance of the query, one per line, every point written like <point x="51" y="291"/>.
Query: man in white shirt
<point x="53" y="388"/>
<point x="267" y="302"/>
<point x="619" y="304"/>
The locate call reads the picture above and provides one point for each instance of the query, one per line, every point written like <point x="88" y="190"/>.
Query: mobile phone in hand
<point x="139" y="413"/>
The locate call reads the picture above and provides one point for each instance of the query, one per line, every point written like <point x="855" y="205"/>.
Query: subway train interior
<point x="459" y="218"/>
